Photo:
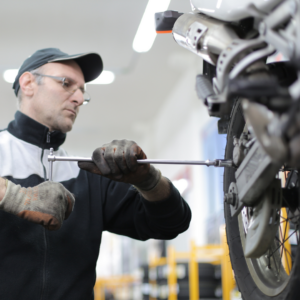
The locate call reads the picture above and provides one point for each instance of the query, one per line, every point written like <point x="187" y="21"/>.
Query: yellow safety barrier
<point x="284" y="231"/>
<point x="214" y="254"/>
<point x="193" y="272"/>
<point x="228" y="281"/>
<point x="113" y="283"/>
<point x="284" y="237"/>
<point x="154" y="262"/>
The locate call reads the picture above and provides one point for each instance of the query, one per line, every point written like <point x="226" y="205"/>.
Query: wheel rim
<point x="271" y="272"/>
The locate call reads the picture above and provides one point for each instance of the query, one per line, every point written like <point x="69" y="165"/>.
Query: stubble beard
<point x="63" y="124"/>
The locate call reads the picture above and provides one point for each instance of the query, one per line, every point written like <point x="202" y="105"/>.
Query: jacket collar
<point x="30" y="131"/>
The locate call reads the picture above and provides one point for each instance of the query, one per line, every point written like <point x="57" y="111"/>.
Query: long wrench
<point x="216" y="163"/>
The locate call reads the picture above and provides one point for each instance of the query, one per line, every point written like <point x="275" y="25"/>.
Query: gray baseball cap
<point x="90" y="63"/>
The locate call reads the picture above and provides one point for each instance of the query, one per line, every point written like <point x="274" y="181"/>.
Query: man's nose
<point x="78" y="97"/>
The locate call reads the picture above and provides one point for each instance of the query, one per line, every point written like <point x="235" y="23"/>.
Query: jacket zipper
<point x="44" y="264"/>
<point x="44" y="230"/>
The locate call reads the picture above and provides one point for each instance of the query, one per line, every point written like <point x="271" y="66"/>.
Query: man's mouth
<point x="72" y="111"/>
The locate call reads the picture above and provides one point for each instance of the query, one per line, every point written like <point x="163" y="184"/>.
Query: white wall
<point x="176" y="134"/>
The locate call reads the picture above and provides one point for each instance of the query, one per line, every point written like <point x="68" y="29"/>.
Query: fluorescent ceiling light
<point x="10" y="75"/>
<point x="146" y="34"/>
<point x="106" y="77"/>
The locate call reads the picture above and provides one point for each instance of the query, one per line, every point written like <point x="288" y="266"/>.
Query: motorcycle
<point x="258" y="103"/>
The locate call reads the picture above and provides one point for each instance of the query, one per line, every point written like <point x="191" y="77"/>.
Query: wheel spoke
<point x="277" y="268"/>
<point x="287" y="252"/>
<point x="285" y="220"/>
<point x="282" y="238"/>
<point x="263" y="267"/>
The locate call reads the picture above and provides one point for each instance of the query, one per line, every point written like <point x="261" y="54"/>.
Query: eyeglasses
<point x="69" y="86"/>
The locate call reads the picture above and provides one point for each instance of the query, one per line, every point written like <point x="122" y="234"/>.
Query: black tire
<point x="206" y="272"/>
<point x="246" y="280"/>
<point x="207" y="288"/>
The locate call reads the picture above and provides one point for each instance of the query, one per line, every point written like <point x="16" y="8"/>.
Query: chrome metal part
<point x="231" y="10"/>
<point x="245" y="218"/>
<point x="68" y="158"/>
<point x="50" y="164"/>
<point x="266" y="126"/>
<point x="264" y="222"/>
<point x="249" y="60"/>
<point x="232" y="198"/>
<point x="270" y="30"/>
<point x="208" y="163"/>
<point x="255" y="173"/>
<point x="216" y="163"/>
<point x="225" y="163"/>
<point x="205" y="36"/>
<point x="231" y="53"/>
<point x="239" y="149"/>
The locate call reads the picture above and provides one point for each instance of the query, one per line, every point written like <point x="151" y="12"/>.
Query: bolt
<point x="229" y="198"/>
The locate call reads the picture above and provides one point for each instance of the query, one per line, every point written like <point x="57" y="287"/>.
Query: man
<point x="129" y="199"/>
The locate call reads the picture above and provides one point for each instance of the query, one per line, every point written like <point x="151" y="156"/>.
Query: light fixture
<point x="146" y="34"/>
<point x="10" y="75"/>
<point x="106" y="77"/>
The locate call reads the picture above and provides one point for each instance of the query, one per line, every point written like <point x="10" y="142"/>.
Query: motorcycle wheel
<point x="254" y="278"/>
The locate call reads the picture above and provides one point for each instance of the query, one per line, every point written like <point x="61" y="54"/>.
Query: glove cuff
<point x="160" y="192"/>
<point x="153" y="178"/>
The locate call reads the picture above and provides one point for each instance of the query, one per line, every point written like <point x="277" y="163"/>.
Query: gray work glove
<point x="48" y="203"/>
<point x="118" y="161"/>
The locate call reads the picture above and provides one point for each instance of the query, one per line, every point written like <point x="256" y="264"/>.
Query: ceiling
<point x="143" y="81"/>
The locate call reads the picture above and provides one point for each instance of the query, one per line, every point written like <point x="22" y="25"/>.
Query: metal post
<point x="172" y="277"/>
<point x="99" y="290"/>
<point x="193" y="273"/>
<point x="227" y="274"/>
<point x="50" y="164"/>
<point x="152" y="283"/>
<point x="284" y="230"/>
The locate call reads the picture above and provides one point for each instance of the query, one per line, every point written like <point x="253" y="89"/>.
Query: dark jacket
<point x="37" y="264"/>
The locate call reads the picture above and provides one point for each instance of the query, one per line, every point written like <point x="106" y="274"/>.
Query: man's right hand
<point x="47" y="204"/>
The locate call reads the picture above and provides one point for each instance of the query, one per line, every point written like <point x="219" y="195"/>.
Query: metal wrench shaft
<point x="216" y="163"/>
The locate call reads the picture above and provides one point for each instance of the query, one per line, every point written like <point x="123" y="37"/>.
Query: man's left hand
<point x="118" y="161"/>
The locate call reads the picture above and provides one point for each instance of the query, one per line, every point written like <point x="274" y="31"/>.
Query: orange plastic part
<point x="167" y="31"/>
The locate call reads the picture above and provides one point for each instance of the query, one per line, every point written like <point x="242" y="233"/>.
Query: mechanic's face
<point x="52" y="105"/>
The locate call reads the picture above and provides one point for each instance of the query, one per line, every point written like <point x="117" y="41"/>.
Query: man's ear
<point x="27" y="84"/>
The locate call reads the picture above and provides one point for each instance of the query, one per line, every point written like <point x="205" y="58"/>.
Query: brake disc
<point x="262" y="221"/>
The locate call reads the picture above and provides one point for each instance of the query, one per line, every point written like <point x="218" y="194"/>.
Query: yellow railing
<point x="113" y="283"/>
<point x="214" y="254"/>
